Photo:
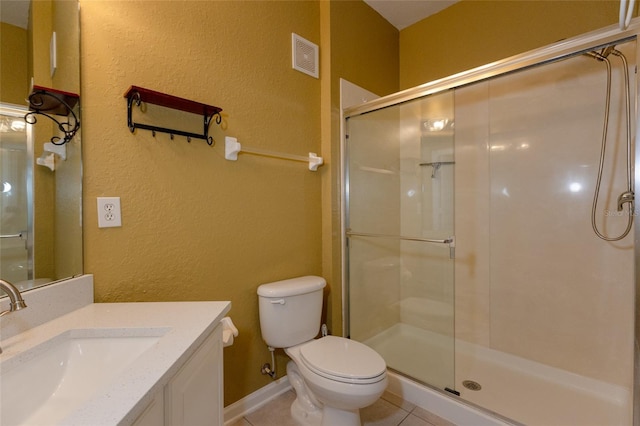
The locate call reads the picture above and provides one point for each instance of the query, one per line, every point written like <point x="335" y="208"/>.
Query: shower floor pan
<point x="517" y="388"/>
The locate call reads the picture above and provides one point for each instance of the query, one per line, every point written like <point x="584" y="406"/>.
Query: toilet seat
<point x="343" y="360"/>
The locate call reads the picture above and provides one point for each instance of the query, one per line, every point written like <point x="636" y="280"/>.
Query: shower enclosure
<point x="471" y="262"/>
<point x="16" y="233"/>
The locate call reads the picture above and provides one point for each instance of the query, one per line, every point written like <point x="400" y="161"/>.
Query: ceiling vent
<point x="304" y="55"/>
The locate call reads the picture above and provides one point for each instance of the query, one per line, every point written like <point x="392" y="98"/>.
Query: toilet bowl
<point x="333" y="377"/>
<point x="341" y="374"/>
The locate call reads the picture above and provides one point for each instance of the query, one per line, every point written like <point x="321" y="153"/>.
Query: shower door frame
<point x="552" y="53"/>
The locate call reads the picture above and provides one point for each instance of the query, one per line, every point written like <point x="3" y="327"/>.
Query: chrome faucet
<point x="16" y="302"/>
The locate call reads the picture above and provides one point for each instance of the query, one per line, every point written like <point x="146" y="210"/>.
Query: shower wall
<point x="426" y="204"/>
<point x="532" y="278"/>
<point x="13" y="205"/>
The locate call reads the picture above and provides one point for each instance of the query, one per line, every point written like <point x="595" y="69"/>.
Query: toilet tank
<point x="290" y="310"/>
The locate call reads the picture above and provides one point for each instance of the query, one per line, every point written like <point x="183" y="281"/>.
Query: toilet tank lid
<point x="292" y="286"/>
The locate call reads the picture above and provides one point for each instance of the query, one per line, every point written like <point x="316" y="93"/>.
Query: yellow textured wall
<point x="40" y="29"/>
<point x="364" y="48"/>
<point x="472" y="33"/>
<point x="13" y="64"/>
<point x="196" y="226"/>
<point x="44" y="187"/>
<point x="364" y="51"/>
<point x="65" y="22"/>
<point x="68" y="237"/>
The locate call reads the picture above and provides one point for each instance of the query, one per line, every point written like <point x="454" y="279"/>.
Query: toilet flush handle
<point x="278" y="302"/>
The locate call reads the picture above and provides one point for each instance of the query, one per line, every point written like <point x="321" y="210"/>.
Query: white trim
<point x="257" y="399"/>
<point x="445" y="406"/>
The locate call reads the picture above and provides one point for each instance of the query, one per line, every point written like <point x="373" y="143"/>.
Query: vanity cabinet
<point x="153" y="414"/>
<point x="194" y="396"/>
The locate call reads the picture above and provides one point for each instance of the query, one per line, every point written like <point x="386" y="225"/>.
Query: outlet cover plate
<point x="109" y="212"/>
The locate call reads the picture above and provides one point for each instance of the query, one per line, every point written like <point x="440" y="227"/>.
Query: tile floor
<point x="390" y="410"/>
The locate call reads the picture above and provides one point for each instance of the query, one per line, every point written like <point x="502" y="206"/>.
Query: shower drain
<point x="471" y="385"/>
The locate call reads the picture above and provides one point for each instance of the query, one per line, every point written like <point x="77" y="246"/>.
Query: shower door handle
<point x="22" y="235"/>
<point x="19" y="235"/>
<point x="450" y="240"/>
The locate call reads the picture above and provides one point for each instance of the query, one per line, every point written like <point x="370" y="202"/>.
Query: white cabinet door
<point x="194" y="397"/>
<point x="153" y="414"/>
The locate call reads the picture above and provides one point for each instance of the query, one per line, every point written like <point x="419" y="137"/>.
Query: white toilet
<point x="333" y="376"/>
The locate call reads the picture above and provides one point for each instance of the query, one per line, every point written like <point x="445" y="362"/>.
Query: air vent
<point x="304" y="55"/>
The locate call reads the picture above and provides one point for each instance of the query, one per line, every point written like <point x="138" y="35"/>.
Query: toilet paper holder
<point x="229" y="331"/>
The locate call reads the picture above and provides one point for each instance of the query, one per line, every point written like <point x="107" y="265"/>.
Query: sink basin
<point x="46" y="383"/>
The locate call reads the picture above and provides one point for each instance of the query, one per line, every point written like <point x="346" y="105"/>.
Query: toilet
<point x="333" y="377"/>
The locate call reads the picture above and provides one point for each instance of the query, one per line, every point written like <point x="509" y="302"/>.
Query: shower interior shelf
<point x="138" y="95"/>
<point x="52" y="102"/>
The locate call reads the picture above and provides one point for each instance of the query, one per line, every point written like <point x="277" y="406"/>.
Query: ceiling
<point x="15" y="12"/>
<point x="403" y="13"/>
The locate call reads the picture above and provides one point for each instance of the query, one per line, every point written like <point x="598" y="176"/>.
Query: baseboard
<point x="255" y="400"/>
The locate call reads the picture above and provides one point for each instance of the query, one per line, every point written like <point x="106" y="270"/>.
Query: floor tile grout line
<point x="404" y="407"/>
<point x="405" y="417"/>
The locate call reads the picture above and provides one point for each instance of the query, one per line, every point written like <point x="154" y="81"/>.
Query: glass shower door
<point x="14" y="205"/>
<point x="400" y="245"/>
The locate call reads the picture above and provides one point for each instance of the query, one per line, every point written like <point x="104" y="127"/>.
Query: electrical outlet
<point x="109" y="212"/>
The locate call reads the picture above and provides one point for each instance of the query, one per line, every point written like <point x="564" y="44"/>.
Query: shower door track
<point x="556" y="52"/>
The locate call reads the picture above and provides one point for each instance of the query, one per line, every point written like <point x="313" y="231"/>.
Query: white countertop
<point x="187" y="324"/>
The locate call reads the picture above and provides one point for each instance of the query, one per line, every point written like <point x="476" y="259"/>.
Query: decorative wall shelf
<point x="138" y="95"/>
<point x="49" y="102"/>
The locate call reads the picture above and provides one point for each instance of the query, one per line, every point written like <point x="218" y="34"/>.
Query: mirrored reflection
<point x="40" y="202"/>
<point x="15" y="199"/>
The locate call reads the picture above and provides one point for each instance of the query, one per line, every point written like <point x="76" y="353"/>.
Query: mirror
<point x="41" y="199"/>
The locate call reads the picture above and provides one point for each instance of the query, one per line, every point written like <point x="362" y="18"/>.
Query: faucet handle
<point x="625" y="197"/>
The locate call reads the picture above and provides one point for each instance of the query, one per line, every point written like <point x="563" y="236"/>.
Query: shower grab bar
<point x="437" y="163"/>
<point x="436" y="166"/>
<point x="12" y="235"/>
<point x="450" y="240"/>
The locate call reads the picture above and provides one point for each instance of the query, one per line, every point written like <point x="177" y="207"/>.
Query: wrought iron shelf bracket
<point x="51" y="102"/>
<point x="137" y="95"/>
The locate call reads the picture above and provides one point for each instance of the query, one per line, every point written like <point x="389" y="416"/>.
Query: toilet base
<point x="308" y="411"/>
<point x="304" y="416"/>
<point x="333" y="416"/>
<point x="327" y="416"/>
